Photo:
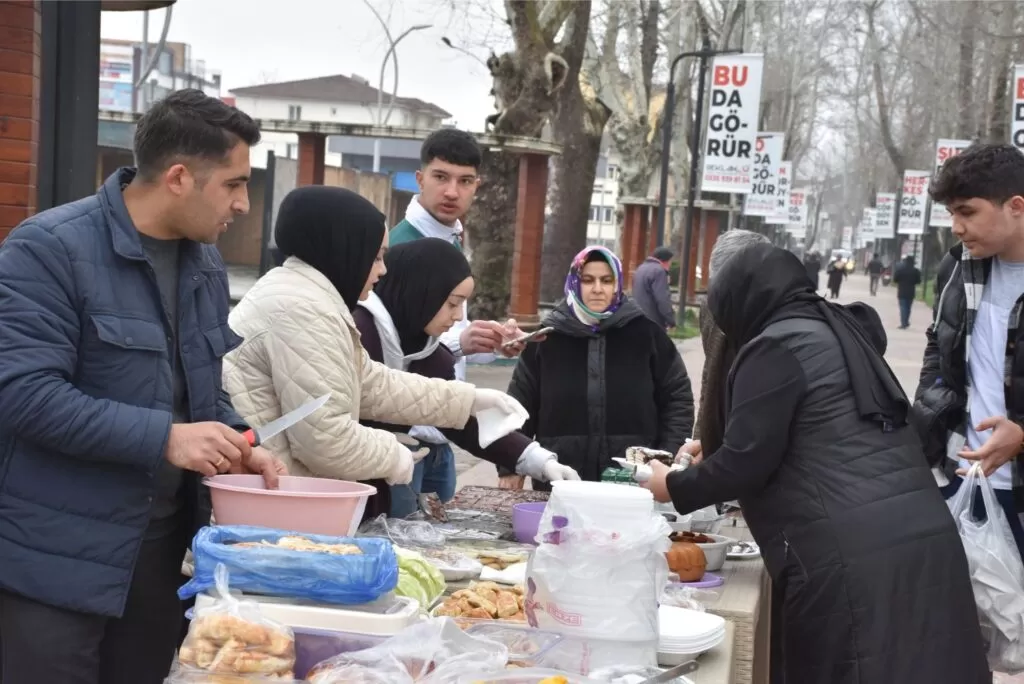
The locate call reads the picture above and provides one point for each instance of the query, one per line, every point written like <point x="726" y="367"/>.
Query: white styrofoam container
<point x="367" y="619"/>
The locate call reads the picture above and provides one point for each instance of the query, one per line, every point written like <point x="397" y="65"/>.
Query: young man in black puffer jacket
<point x="969" y="404"/>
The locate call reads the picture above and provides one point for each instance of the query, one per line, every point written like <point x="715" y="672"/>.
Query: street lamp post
<point x="704" y="54"/>
<point x="381" y="119"/>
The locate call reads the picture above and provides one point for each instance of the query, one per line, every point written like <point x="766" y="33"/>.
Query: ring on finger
<point x="219" y="463"/>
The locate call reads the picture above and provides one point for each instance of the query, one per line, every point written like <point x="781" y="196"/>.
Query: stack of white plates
<point x="684" y="634"/>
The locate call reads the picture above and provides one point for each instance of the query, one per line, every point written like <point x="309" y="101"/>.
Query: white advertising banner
<point x="732" y="123"/>
<point x="866" y="233"/>
<point x="1017" y="113"/>
<point x="945" y="149"/>
<point x="847" y="241"/>
<point x="799" y="201"/>
<point x="765" y="185"/>
<point x="885" y="215"/>
<point x="914" y="202"/>
<point x="781" y="214"/>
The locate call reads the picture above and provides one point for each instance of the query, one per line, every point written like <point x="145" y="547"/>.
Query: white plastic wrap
<point x="436" y="651"/>
<point x="997" y="573"/>
<point x="597" y="578"/>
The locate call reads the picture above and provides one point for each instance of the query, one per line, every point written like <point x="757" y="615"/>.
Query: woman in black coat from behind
<point x="606" y="379"/>
<point x="858" y="541"/>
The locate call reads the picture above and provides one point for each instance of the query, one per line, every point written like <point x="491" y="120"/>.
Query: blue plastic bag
<point x="320" y="577"/>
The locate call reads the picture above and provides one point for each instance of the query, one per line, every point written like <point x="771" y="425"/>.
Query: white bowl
<point x="716" y="552"/>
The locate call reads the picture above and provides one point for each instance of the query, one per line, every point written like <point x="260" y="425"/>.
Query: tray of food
<point x="483" y="601"/>
<point x="496" y="555"/>
<point x="492" y="499"/>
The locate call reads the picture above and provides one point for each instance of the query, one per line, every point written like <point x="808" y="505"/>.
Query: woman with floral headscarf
<point x="605" y="379"/>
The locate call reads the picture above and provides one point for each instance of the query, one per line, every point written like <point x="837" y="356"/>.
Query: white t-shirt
<point x="988" y="356"/>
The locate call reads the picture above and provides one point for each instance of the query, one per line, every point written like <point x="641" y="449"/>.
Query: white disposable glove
<point x="402" y="473"/>
<point x="538" y="463"/>
<point x="488" y="399"/>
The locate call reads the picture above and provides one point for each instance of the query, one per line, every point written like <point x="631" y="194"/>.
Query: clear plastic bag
<point x="434" y="652"/>
<point x="232" y="637"/>
<point x="405" y="533"/>
<point x="682" y="596"/>
<point x="268" y="569"/>
<point x="997" y="573"/>
<point x="197" y="677"/>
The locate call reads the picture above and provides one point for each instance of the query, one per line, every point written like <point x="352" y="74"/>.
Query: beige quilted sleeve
<point x="392" y="396"/>
<point x="312" y="352"/>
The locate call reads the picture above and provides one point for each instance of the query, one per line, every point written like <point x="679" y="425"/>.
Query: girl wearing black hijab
<point x="422" y="296"/>
<point x="864" y="556"/>
<point x="300" y="342"/>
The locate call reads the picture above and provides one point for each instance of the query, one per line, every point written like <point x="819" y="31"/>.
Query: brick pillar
<point x="652" y="230"/>
<point x="637" y="237"/>
<point x="20" y="48"/>
<point x="312" y="147"/>
<point x="630" y="225"/>
<point x="529" y="239"/>
<point x="711" y="224"/>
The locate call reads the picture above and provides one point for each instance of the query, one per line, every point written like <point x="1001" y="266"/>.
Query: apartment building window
<point x="613" y="171"/>
<point x="294" y="112"/>
<point x="592" y="214"/>
<point x="607" y="214"/>
<point x="292" y="151"/>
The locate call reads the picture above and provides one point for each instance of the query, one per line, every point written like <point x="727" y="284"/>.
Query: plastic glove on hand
<point x="488" y="399"/>
<point x="555" y="471"/>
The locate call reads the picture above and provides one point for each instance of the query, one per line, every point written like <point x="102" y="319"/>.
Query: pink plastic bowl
<point x="526" y="520"/>
<point x="301" y="504"/>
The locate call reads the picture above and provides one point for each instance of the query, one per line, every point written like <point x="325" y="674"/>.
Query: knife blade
<point x="673" y="673"/>
<point x="257" y="436"/>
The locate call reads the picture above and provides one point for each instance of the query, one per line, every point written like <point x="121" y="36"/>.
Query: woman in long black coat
<point x="853" y="531"/>
<point x="606" y="379"/>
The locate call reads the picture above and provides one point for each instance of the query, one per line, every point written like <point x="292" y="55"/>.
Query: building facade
<point x="124" y="62"/>
<point x="338" y="99"/>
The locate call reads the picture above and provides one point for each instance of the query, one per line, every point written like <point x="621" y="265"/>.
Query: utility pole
<point x="703" y="55"/>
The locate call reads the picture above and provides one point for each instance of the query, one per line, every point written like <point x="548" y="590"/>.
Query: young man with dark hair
<point x="651" y="289"/>
<point x="969" y="405"/>
<point x="113" y="322"/>
<point x="448" y="180"/>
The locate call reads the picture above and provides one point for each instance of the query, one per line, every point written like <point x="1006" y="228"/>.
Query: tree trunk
<point x="965" y="71"/>
<point x="526" y="84"/>
<point x="491" y="226"/>
<point x="578" y="126"/>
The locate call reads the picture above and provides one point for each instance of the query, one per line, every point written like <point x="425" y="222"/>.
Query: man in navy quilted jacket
<point x="113" y="324"/>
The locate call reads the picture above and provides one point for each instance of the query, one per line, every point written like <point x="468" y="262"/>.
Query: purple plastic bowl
<point x="526" y="519"/>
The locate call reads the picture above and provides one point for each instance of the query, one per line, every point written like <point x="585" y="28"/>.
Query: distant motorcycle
<point x="886" y="276"/>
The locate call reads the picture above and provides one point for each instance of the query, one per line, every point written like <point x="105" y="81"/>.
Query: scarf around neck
<point x="573" y="285"/>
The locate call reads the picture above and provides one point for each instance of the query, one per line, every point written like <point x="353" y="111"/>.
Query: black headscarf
<point x="334" y="230"/>
<point x="421" y="274"/>
<point x="763" y="284"/>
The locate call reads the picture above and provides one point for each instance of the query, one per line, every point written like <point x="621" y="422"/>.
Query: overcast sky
<point x="258" y="41"/>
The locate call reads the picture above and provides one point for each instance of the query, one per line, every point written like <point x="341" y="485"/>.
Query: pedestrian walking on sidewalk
<point x="874" y="270"/>
<point x="970" y="402"/>
<point x="836" y="275"/>
<point x="651" y="290"/>
<point x="907" y="277"/>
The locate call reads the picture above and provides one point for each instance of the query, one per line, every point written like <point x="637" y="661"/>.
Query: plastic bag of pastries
<point x="232" y="638"/>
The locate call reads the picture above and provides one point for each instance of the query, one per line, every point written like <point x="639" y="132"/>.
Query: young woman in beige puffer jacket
<point x="301" y="342"/>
